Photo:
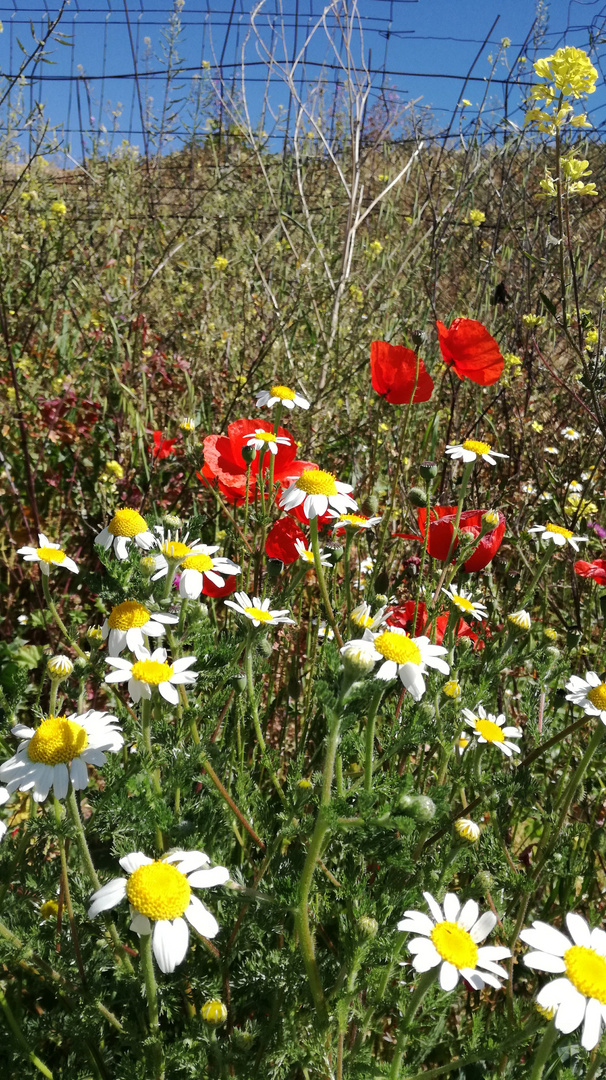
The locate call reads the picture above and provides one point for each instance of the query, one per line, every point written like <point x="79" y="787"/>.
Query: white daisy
<point x="488" y="728"/>
<point x="161" y="900"/>
<point x="528" y="488"/>
<point x="173" y="551"/>
<point x="404" y="656"/>
<point x="129" y="622"/>
<point x="570" y="434"/>
<point x="451" y="939"/>
<point x="325" y="631"/>
<point x="575" y="487"/>
<point x="307" y="555"/>
<point x="318" y="491"/>
<point x="258" y="611"/>
<point x="48" y="554"/>
<point x="557" y="535"/>
<point x="362" y="616"/>
<point x="461" y="598"/>
<point x="589" y="693"/>
<point x="366" y="566"/>
<point x="551" y="450"/>
<point x="195" y="569"/>
<point x="472" y="449"/>
<point x="521" y="619"/>
<point x="579" y="997"/>
<point x="262" y="439"/>
<point x="355" y="521"/>
<point x="125" y="527"/>
<point x="58" y="751"/>
<point x="149" y="672"/>
<point x="283" y="394"/>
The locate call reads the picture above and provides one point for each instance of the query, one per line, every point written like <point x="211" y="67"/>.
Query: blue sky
<point x="425" y="46"/>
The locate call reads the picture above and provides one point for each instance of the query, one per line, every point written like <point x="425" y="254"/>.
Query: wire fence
<point x="100" y="80"/>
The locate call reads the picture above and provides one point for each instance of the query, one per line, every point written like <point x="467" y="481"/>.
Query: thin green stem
<point x="394" y="489"/>
<point x="370" y="737"/>
<point x="544" y="1052"/>
<point x="151" y="992"/>
<point x="315" y="547"/>
<point x="252" y="699"/>
<point x="20" y="1037"/>
<point x="59" y="621"/>
<point x="425" y="982"/>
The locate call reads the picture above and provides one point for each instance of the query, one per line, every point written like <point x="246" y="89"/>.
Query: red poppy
<point x="162" y="448"/>
<point x="224" y="464"/>
<point x="397" y="373"/>
<point x="230" y="586"/>
<point x="471" y="350"/>
<point x="441" y="533"/>
<point x="281" y="539"/>
<point x="402" y="616"/>
<point x="595" y="570"/>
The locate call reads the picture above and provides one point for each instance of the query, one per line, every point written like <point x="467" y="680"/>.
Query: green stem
<point x="551" y="547"/>
<point x="394" y="488"/>
<point x="56" y="616"/>
<point x="370" y="737"/>
<point x="423" y="986"/>
<point x="543" y="1053"/>
<point x="347" y="573"/>
<point x="467" y="471"/>
<point x="151" y="992"/>
<point x="74" y="813"/>
<point x="20" y="1037"/>
<point x="315" y="547"/>
<point x="423" y="559"/>
<point x="250" y="686"/>
<point x="52" y="702"/>
<point x="273" y="456"/>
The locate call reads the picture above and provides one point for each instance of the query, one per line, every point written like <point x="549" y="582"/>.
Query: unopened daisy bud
<point x="49" y="909"/>
<point x="59" y="667"/>
<point x="490" y="520"/>
<point x="147" y="565"/>
<point x="520" y="619"/>
<point x="173" y="521"/>
<point x="358" y="658"/>
<point x="114" y="468"/>
<point x="188" y="424"/>
<point x="304" y="784"/>
<point x="214" y="1012"/>
<point x="367" y="926"/>
<point x="550" y="633"/>
<point x="94" y="634"/>
<point x="467" y="829"/>
<point x="462" y="743"/>
<point x="452" y="688"/>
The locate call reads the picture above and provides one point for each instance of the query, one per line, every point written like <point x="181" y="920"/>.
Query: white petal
<point x="451" y="907"/>
<point x="169" y="693"/>
<point x="140" y="923"/>
<point x="434" y="907"/>
<point x="205" y="879"/>
<point x="417" y="922"/>
<point x="419" y="945"/>
<point x="468" y="915"/>
<point x="493" y="952"/>
<point x="201" y="918"/>
<point x="429" y="958"/>
<point x="578" y="929"/>
<point x="132" y="862"/>
<point x="79" y="775"/>
<point x="554" y="993"/>
<point x="183" y="663"/>
<point x="592" y="1026"/>
<point x="571" y="1012"/>
<point x="449" y="976"/>
<point x="542" y="961"/>
<point x="546" y="938"/>
<point x="598" y="941"/>
<point x="107" y="896"/>
<point x="187" y="860"/>
<point x="121" y="547"/>
<point x="482" y="928"/>
<point x="473" y="978"/>
<point x="412" y="679"/>
<point x="169" y="942"/>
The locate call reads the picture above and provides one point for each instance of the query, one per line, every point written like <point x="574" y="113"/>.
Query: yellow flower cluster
<point x="574" y="171"/>
<point x="569" y="74"/>
<point x="476" y="218"/>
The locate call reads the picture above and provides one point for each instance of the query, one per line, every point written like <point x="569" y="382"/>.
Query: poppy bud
<point x="248" y="453"/>
<point x="417" y="496"/>
<point x="428" y="470"/>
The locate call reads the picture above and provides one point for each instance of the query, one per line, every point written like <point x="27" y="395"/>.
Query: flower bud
<point x="214" y="1012"/>
<point x="417" y="496"/>
<point x="424" y="809"/>
<point x="238" y="683"/>
<point x="358" y="658"/>
<point x="367" y="926"/>
<point x="59" y="667"/>
<point x="274" y="568"/>
<point x="147" y="565"/>
<point x="248" y="453"/>
<point x="520" y="618"/>
<point x="264" y="646"/>
<point x="428" y="470"/>
<point x="490" y="520"/>
<point x="452" y="689"/>
<point x="173" y="521"/>
<point x="483" y="881"/>
<point x="467" y="830"/>
<point x="94" y="635"/>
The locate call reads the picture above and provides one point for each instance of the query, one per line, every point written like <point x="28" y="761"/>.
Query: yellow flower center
<point x="197" y="562"/>
<point x="307" y="556"/>
<point x="397" y="647"/>
<point x="256" y="613"/>
<point x="558" y="529"/>
<point x="489" y="730"/>
<point x="477" y="447"/>
<point x="57" y="741"/>
<point x="597" y="696"/>
<point x="151" y="672"/>
<point x="174" y="549"/>
<point x="317" y="482"/>
<point x="454" y="944"/>
<point x="264" y="436"/>
<point x="282" y="392"/>
<point x="462" y="602"/>
<point x="127" y="523"/>
<point x="586" y="970"/>
<point x="47" y="554"/>
<point x="353" y="519"/>
<point x="127" y="615"/>
<point x="159" y="891"/>
<point x="362" y="620"/>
